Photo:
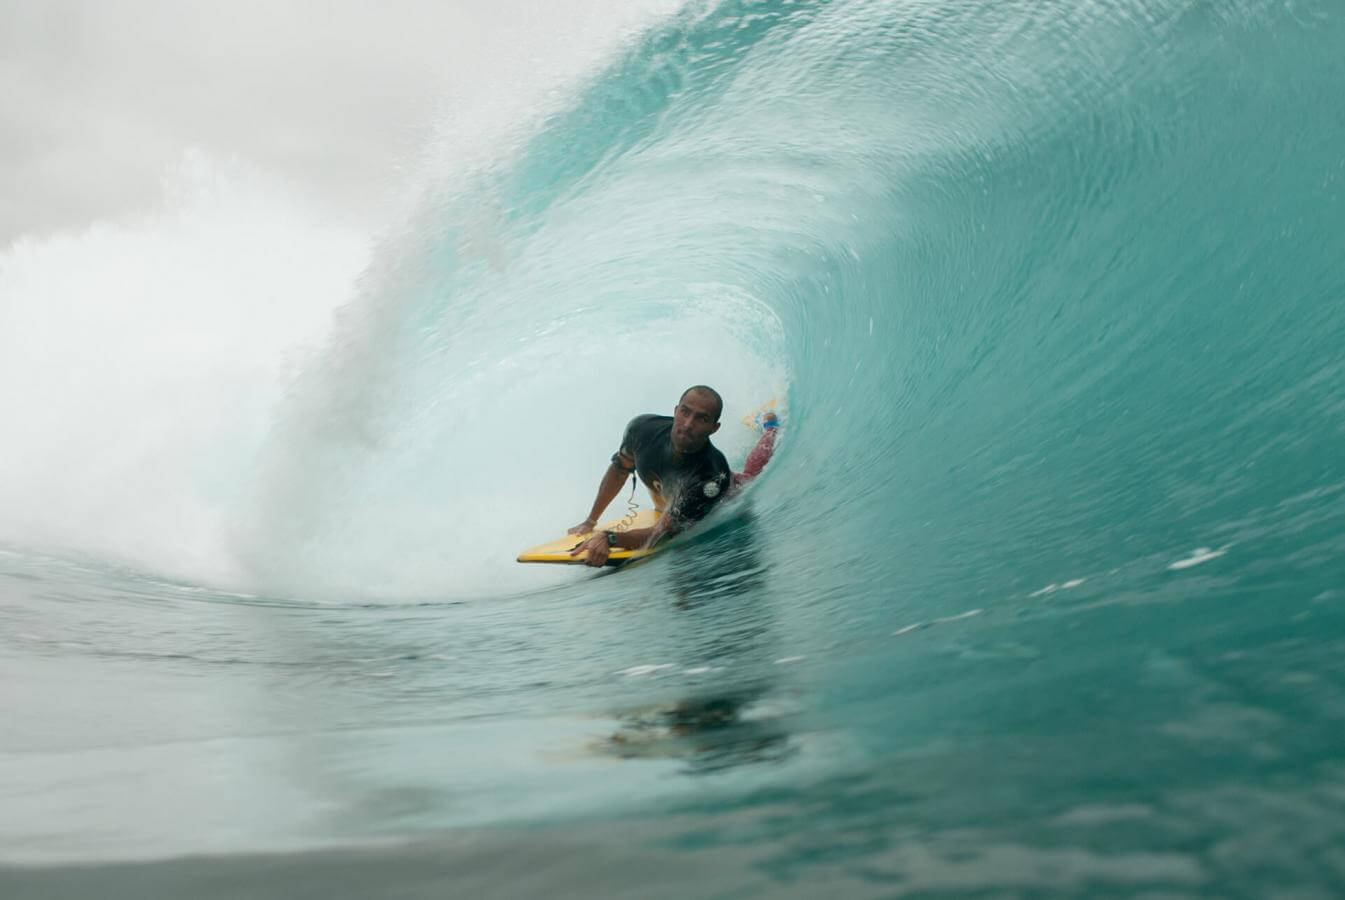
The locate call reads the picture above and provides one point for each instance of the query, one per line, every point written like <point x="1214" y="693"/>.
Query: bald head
<point x="709" y="394"/>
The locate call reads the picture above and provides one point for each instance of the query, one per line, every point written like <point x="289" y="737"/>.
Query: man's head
<point x="695" y="418"/>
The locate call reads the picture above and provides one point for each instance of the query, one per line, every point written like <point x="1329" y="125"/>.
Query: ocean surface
<point x="1043" y="593"/>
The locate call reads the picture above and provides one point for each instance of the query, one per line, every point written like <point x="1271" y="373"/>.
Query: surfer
<point x="685" y="474"/>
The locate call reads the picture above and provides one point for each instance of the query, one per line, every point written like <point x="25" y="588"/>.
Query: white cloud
<point x="98" y="99"/>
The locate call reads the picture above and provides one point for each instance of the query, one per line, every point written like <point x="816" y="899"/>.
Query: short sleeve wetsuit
<point x="690" y="485"/>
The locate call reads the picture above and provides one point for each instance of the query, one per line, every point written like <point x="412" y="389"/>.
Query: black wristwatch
<point x="611" y="538"/>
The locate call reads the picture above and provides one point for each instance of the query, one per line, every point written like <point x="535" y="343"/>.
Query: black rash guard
<point x="690" y="485"/>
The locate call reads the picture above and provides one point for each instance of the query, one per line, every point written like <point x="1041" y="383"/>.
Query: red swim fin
<point x="761" y="453"/>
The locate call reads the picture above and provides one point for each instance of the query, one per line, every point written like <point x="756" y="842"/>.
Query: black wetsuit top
<point x="691" y="484"/>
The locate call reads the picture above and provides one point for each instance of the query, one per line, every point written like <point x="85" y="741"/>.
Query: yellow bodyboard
<point x="558" y="551"/>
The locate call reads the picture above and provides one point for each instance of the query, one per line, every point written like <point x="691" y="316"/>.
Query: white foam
<point x="1198" y="556"/>
<point x="140" y="362"/>
<point x="940" y="621"/>
<point x="965" y="615"/>
<point x="636" y="671"/>
<point x="1053" y="587"/>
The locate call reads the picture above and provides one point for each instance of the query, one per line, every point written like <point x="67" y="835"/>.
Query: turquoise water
<point x="1042" y="594"/>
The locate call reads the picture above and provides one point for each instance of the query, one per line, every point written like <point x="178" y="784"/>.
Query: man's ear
<point x="716" y="428"/>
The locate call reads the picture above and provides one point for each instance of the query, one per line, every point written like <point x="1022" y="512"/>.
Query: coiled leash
<point x="632" y="513"/>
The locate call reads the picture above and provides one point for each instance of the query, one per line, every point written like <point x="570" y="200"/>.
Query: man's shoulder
<point x="648" y="422"/>
<point x="645" y="431"/>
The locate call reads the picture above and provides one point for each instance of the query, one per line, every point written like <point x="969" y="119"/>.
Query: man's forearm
<point x="612" y="480"/>
<point x="636" y="538"/>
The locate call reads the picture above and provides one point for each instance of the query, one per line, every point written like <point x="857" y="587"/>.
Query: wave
<point x="1046" y="293"/>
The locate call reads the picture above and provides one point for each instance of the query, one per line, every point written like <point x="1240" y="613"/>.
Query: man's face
<point x="693" y="422"/>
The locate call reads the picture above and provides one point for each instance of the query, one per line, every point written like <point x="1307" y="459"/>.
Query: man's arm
<point x="634" y="539"/>
<point x="608" y="488"/>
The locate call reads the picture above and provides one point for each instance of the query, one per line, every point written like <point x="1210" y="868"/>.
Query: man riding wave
<point x="685" y="474"/>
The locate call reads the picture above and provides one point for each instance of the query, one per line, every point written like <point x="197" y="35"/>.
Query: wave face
<point x="1050" y="553"/>
<point x="1049" y="296"/>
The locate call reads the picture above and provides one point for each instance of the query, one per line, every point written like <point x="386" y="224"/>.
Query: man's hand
<point x="583" y="527"/>
<point x="597" y="548"/>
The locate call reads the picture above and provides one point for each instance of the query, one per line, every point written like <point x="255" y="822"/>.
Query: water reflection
<point x="738" y="713"/>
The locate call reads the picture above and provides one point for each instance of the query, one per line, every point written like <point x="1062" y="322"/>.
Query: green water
<point x="1042" y="594"/>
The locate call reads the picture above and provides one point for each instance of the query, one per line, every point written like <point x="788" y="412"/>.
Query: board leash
<point x="633" y="512"/>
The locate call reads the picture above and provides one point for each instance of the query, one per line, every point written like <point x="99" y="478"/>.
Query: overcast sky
<point x="99" y="97"/>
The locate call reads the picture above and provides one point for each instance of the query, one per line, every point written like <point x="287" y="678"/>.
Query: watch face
<point x="611" y="538"/>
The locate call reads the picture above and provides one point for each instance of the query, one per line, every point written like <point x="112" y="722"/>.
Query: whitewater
<point x="1042" y="593"/>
